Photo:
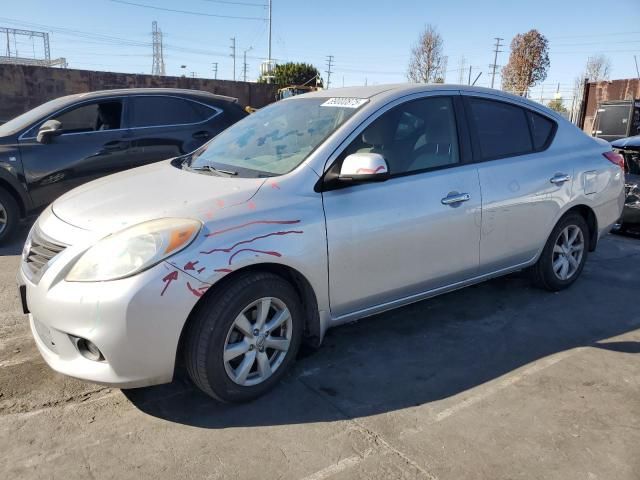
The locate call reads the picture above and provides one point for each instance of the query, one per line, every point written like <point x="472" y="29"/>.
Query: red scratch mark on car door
<point x="275" y="185"/>
<point x="251" y="205"/>
<point x="220" y="202"/>
<point x="223" y="270"/>
<point x="198" y="292"/>
<point x="168" y="279"/>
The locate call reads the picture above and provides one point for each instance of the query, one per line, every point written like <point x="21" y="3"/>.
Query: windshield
<point x="27" y="118"/>
<point x="275" y="139"/>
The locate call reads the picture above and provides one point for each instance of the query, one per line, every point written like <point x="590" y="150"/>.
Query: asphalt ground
<point x="496" y="381"/>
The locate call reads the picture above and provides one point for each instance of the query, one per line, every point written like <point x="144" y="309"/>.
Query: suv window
<point x="417" y="135"/>
<point x="92" y="117"/>
<point x="541" y="130"/>
<point x="502" y="128"/>
<point x="150" y="111"/>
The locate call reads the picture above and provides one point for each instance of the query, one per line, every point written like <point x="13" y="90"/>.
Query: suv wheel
<point x="9" y="216"/>
<point x="244" y="337"/>
<point x="564" y="255"/>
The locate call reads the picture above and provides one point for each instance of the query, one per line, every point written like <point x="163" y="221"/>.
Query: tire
<point x="543" y="272"/>
<point x="214" y="326"/>
<point x="9" y="216"/>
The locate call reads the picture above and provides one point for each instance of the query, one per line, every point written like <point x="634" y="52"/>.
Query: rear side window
<point x="541" y="130"/>
<point x="159" y="111"/>
<point x="502" y="129"/>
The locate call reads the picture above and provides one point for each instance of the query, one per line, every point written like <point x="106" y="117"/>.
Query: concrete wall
<point x="23" y="87"/>
<point x="598" y="92"/>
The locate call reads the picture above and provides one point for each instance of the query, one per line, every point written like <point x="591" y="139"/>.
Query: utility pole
<point x="469" y="81"/>
<point x="233" y="54"/>
<point x="328" y="70"/>
<point x="635" y="58"/>
<point x="244" y="63"/>
<point x="215" y="70"/>
<point x="495" y="65"/>
<point x="269" y="54"/>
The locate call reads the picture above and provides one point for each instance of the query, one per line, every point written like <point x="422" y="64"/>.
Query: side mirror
<point x="364" y="167"/>
<point x="48" y="130"/>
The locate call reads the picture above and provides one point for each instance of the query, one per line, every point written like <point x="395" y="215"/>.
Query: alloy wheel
<point x="258" y="341"/>
<point x="3" y="218"/>
<point x="567" y="252"/>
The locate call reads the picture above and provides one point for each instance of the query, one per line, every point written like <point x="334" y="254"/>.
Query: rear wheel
<point x="9" y="216"/>
<point x="564" y="254"/>
<point x="244" y="337"/>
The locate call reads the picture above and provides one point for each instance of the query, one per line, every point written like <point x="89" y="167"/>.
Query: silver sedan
<point x="317" y="210"/>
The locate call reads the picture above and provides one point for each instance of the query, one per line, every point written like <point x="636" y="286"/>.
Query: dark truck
<point x="630" y="150"/>
<point x="74" y="139"/>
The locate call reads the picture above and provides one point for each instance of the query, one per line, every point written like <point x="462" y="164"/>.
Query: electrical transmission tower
<point x="328" y="70"/>
<point x="158" y="58"/>
<point x="13" y="56"/>
<point x="494" y="66"/>
<point x="462" y="69"/>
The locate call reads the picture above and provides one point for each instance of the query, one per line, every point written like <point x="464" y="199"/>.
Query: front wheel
<point x="564" y="254"/>
<point x="244" y="337"/>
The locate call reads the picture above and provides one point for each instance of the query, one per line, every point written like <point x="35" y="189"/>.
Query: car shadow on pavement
<point x="15" y="244"/>
<point x="428" y="351"/>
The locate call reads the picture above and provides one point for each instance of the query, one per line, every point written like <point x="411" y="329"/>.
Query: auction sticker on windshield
<point x="344" y="102"/>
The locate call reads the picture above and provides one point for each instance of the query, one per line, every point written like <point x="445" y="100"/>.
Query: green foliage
<point x="557" y="105"/>
<point x="293" y="73"/>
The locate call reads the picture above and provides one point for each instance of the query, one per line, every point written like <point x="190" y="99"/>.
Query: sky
<point x="370" y="41"/>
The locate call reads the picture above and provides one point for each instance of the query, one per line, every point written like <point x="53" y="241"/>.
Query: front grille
<point x="41" y="250"/>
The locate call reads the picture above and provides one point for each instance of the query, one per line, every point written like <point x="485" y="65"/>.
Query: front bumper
<point x="135" y="322"/>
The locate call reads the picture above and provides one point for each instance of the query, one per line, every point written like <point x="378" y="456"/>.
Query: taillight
<point x="615" y="158"/>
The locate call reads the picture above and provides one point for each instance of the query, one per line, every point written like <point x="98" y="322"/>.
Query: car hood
<point x="632" y="143"/>
<point x="153" y="191"/>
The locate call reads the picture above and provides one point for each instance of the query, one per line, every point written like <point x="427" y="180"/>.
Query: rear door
<point x="93" y="144"/>
<point x="391" y="240"/>
<point x="524" y="183"/>
<point x="165" y="126"/>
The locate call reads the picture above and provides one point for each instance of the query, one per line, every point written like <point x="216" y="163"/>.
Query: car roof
<point x="181" y="92"/>
<point x="386" y="93"/>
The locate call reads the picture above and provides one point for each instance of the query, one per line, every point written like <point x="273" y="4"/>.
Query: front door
<point x="93" y="144"/>
<point x="405" y="236"/>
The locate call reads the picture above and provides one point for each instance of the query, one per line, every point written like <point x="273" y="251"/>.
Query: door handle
<point x="560" y="178"/>
<point x="202" y="134"/>
<point x="454" y="198"/>
<point x="115" y="146"/>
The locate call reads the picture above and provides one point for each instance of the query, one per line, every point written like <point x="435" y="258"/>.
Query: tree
<point x="557" y="105"/>
<point x="528" y="62"/>
<point x="292" y="73"/>
<point x="598" y="68"/>
<point x="426" y="57"/>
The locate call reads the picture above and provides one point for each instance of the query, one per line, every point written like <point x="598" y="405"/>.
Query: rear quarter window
<point x="541" y="130"/>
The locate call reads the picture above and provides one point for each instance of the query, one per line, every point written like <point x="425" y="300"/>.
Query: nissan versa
<point x="317" y="210"/>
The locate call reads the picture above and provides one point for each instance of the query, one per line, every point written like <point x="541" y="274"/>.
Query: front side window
<point x="92" y="117"/>
<point x="417" y="135"/>
<point x="150" y="111"/>
<point x="502" y="129"/>
<point x="276" y="139"/>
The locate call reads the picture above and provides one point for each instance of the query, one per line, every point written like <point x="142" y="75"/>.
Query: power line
<point x="494" y="66"/>
<point x="246" y="4"/>
<point x="187" y="12"/>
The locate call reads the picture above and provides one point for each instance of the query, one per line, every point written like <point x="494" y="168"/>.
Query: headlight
<point x="134" y="249"/>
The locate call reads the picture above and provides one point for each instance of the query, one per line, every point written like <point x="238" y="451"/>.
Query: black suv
<point x="72" y="140"/>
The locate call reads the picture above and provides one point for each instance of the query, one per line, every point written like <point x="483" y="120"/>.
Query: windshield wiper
<point x="211" y="169"/>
